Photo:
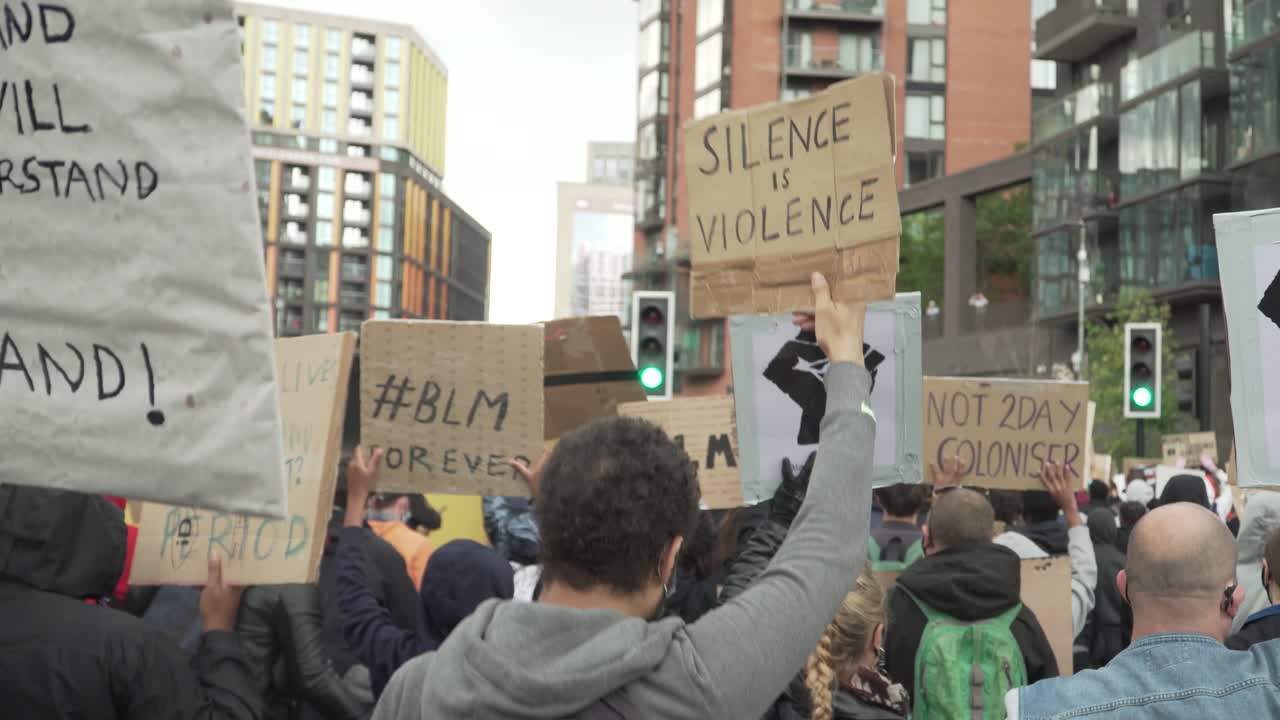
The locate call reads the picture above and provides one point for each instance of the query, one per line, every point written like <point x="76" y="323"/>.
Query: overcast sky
<point x="530" y="83"/>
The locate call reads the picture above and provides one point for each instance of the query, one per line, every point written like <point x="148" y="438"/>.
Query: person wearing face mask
<point x="388" y="517"/>
<point x="1264" y="624"/>
<point x="614" y="502"/>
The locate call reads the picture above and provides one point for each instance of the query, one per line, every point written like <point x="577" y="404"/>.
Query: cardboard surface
<point x="174" y="543"/>
<point x="1004" y="431"/>
<point x="588" y="371"/>
<point x="1249" y="263"/>
<point x="707" y="430"/>
<point x="451" y="402"/>
<point x="135" y="335"/>
<point x="1189" y="446"/>
<point x="783" y="190"/>
<point x="1132" y="463"/>
<point x="779" y="384"/>
<point x="1046" y="589"/>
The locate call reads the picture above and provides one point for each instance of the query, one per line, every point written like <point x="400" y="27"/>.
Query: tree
<point x="922" y="255"/>
<point x="1104" y="343"/>
<point x="1005" y="248"/>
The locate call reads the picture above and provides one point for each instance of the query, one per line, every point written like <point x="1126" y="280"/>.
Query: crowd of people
<point x="607" y="593"/>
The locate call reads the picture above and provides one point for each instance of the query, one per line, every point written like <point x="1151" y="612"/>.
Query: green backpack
<point x="965" y="669"/>
<point x="874" y="553"/>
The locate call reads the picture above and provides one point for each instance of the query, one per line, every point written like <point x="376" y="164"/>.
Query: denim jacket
<point x="1166" y="675"/>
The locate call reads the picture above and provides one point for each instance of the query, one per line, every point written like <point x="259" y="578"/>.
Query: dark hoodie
<point x="1110" y="624"/>
<point x="64" y="658"/>
<point x="461" y="575"/>
<point x="969" y="583"/>
<point x="1185" y="488"/>
<point x="1051" y="536"/>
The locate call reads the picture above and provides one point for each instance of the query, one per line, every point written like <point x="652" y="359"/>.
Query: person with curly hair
<point x="615" y="502"/>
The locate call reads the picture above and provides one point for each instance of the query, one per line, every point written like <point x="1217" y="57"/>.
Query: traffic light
<point x="1142" y="370"/>
<point x="653" y="327"/>
<point x="1184" y="369"/>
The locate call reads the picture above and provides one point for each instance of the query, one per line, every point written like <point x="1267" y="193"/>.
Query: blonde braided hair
<point x="844" y="642"/>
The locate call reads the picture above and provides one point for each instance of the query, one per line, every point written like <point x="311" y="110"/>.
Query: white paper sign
<point x="135" y="335"/>
<point x="1249" y="261"/>
<point x="779" y="388"/>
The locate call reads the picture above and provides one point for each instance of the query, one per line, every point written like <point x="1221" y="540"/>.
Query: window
<point x="391" y="75"/>
<point x="927" y="12"/>
<point x="331" y="95"/>
<point x="332" y="40"/>
<point x="384" y="268"/>
<point x="386" y="240"/>
<point x="354" y="150"/>
<point x="325" y="178"/>
<point x="391" y="102"/>
<point x="390" y="129"/>
<point x="267" y="86"/>
<point x="328" y="145"/>
<point x="923" y="166"/>
<point x="709" y="62"/>
<point x="324" y="233"/>
<point x="382" y="295"/>
<point x="710" y="15"/>
<point x="324" y="205"/>
<point x="927" y="59"/>
<point x="298" y="117"/>
<point x="653" y="94"/>
<point x="650" y="143"/>
<point x="267" y="112"/>
<point x="649" y="8"/>
<point x="387" y="185"/>
<point x="329" y="122"/>
<point x="299" y="87"/>
<point x="270" y="58"/>
<point x="302" y="36"/>
<point x="271" y="32"/>
<point x="331" y="67"/>
<point x="1044" y="75"/>
<point x="795" y="93"/>
<point x="707" y="104"/>
<point x="926" y="117"/>
<point x="860" y="53"/>
<point x="386" y="212"/>
<point x="301" y="63"/>
<point x="393" y="49"/>
<point x="654" y="43"/>
<point x="320" y="291"/>
<point x="322" y="320"/>
<point x="381" y="315"/>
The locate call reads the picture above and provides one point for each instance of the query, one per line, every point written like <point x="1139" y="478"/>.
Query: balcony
<point x="353" y="298"/>
<point x="293" y="267"/>
<point x="355" y="272"/>
<point x="1186" y="55"/>
<point x="361" y="76"/>
<point x="353" y="238"/>
<point x="361" y="104"/>
<point x="356" y="186"/>
<point x="829" y="63"/>
<point x="1081" y="107"/>
<point x="356" y="126"/>
<point x="852" y="11"/>
<point x="356" y="217"/>
<point x="1254" y="22"/>
<point x="299" y="181"/>
<point x="297" y="208"/>
<point x="1061" y="196"/>
<point x="363" y="47"/>
<point x="1077" y="29"/>
<point x="293" y="238"/>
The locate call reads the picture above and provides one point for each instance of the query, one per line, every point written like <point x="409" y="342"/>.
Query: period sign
<point x="1005" y="431"/>
<point x="780" y="387"/>
<point x="174" y="543"/>
<point x="1189" y="447"/>
<point x="451" y="403"/>
<point x="705" y="428"/>
<point x="780" y="191"/>
<point x="588" y="372"/>
<point x="136" y="334"/>
<point x="1249" y="261"/>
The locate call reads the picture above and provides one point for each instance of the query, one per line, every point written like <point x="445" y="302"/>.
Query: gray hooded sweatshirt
<point x="532" y="661"/>
<point x="1261" y="516"/>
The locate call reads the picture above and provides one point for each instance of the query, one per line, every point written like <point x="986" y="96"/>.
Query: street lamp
<point x="1082" y="264"/>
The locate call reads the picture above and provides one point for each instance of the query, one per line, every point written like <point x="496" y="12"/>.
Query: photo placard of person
<point x="175" y="542"/>
<point x="452" y="403"/>
<point x="780" y="191"/>
<point x="705" y="427"/>
<point x="780" y="389"/>
<point x="1248" y="245"/>
<point x="135" y="341"/>
<point x="1005" y="431"/>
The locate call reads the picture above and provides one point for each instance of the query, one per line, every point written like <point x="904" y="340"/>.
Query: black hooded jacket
<point x="969" y="583"/>
<point x="1110" y="625"/>
<point x="63" y="658"/>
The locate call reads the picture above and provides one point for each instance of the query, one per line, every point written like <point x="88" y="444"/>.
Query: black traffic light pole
<point x="1141" y="448"/>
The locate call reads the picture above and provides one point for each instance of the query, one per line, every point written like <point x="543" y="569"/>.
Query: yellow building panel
<point x="274" y="193"/>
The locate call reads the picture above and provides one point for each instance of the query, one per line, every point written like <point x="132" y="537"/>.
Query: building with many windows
<point x="595" y="234"/>
<point x="964" y="91"/>
<point x="348" y="121"/>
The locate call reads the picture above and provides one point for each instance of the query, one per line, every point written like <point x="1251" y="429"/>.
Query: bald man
<point x="1179" y="578"/>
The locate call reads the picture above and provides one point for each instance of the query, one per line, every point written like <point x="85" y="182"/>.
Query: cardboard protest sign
<point x="452" y="403"/>
<point x="779" y="385"/>
<point x="135" y="341"/>
<point x="174" y="543"/>
<point x="704" y="427"/>
<point x="1046" y="590"/>
<point x="1189" y="447"/>
<point x="1131" y="463"/>
<point x="588" y="371"/>
<point x="783" y="190"/>
<point x="1004" y="431"/>
<point x="461" y="518"/>
<point x="1249" y="262"/>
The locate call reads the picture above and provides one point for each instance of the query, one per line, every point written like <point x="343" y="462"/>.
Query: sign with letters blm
<point x="1248" y="245"/>
<point x="451" y="403"/>
<point x="135" y="339"/>
<point x="1004" y="431"/>
<point x="174" y="543"/>
<point x="589" y="372"/>
<point x="783" y="190"/>
<point x="704" y="427"/>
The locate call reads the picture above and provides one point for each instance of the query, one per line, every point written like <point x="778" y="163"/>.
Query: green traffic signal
<point x="651" y="378"/>
<point x="1142" y="397"/>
